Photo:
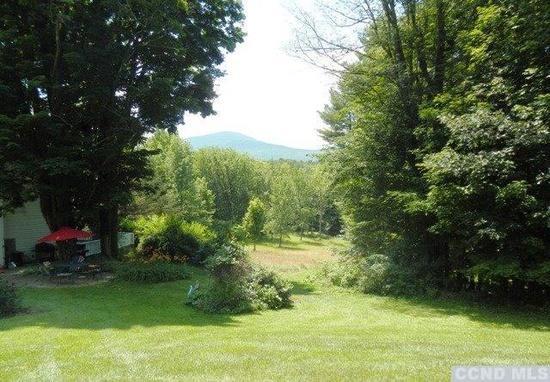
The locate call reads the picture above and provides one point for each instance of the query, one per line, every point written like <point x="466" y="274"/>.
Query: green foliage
<point x="439" y="148"/>
<point x="168" y="238"/>
<point x="173" y="187"/>
<point x="227" y="291"/>
<point x="254" y="220"/>
<point x="236" y="286"/>
<point x="487" y="191"/>
<point x="489" y="183"/>
<point x="233" y="178"/>
<point x="375" y="273"/>
<point x="271" y="291"/>
<point x="238" y="233"/>
<point x="284" y="206"/>
<point x="153" y="272"/>
<point x="204" y="205"/>
<point x="147" y="225"/>
<point x="193" y="185"/>
<point x="9" y="301"/>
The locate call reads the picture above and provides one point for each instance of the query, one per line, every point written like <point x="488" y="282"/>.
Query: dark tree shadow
<point x="294" y="245"/>
<point x="490" y="314"/>
<point x="300" y="288"/>
<point x="112" y="306"/>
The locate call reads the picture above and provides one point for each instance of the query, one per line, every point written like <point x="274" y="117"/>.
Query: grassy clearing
<point x="145" y="332"/>
<point x="295" y="253"/>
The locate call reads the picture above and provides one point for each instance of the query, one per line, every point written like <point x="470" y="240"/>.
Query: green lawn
<point x="142" y="332"/>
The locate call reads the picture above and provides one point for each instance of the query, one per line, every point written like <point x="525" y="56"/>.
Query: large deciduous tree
<point x="438" y="134"/>
<point x="85" y="80"/>
<point x="489" y="185"/>
<point x="400" y="65"/>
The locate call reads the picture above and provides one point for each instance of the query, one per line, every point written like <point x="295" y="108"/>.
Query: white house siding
<point x="25" y="225"/>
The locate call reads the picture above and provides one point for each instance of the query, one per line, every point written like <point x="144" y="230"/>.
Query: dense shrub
<point x="376" y="273"/>
<point x="154" y="272"/>
<point x="167" y="238"/>
<point x="236" y="286"/>
<point x="9" y="302"/>
<point x="270" y="290"/>
<point x="227" y="291"/>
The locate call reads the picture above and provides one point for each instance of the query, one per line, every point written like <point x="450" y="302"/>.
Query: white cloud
<point x="266" y="93"/>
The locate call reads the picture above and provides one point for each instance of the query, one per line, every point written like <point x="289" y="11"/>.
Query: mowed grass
<point x="145" y="332"/>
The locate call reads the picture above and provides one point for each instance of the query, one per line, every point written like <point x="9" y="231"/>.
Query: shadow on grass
<point x="300" y="288"/>
<point x="300" y="247"/>
<point x="487" y="314"/>
<point x="112" y="306"/>
<point x="295" y="244"/>
<point x="288" y="248"/>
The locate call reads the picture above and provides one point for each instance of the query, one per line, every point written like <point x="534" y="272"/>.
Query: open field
<point x="295" y="253"/>
<point x="145" y="332"/>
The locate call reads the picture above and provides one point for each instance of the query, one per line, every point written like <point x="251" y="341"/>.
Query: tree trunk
<point x="57" y="211"/>
<point x="280" y="240"/>
<point x="254" y="245"/>
<point x="108" y="231"/>
<point x="441" y="38"/>
<point x="395" y="33"/>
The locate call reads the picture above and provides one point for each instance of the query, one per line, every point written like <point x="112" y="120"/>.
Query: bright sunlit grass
<point x="145" y="332"/>
<point x="295" y="253"/>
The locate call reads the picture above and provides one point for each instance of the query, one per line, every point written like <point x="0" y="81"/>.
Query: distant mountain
<point x="247" y="145"/>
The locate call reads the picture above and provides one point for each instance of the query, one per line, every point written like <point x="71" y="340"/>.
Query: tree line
<point x="233" y="193"/>
<point x="439" y="141"/>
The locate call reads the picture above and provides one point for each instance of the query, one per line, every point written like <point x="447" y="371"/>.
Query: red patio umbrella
<point x="65" y="233"/>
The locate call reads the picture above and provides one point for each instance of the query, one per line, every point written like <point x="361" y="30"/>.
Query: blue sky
<point x="266" y="93"/>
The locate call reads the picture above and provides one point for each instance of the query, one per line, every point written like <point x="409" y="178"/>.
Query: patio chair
<point x="58" y="274"/>
<point x="46" y="269"/>
<point x="77" y="263"/>
<point x="81" y="267"/>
